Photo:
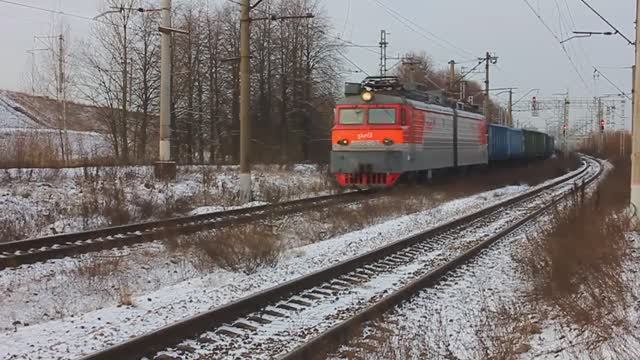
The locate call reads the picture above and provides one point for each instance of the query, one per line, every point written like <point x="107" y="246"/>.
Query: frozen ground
<point x="93" y="329"/>
<point x="18" y="129"/>
<point x="11" y="118"/>
<point x="479" y="312"/>
<point x="476" y="313"/>
<point x="37" y="202"/>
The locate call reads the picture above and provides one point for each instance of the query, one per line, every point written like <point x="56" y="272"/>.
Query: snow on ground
<point x="12" y="118"/>
<point x="479" y="308"/>
<point x="38" y="202"/>
<point x="80" y="144"/>
<point x="75" y="335"/>
<point x="19" y="130"/>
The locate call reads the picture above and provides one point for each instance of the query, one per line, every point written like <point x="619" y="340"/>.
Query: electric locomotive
<point x="383" y="129"/>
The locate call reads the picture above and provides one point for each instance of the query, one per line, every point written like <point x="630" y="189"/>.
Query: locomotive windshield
<point x="382" y="116"/>
<point x="373" y="116"/>
<point x="352" y="116"/>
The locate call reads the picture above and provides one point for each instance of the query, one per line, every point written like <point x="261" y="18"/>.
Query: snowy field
<point x="11" y="118"/>
<point x="481" y="311"/>
<point x="38" y="202"/>
<point x="20" y="133"/>
<point x="89" y="330"/>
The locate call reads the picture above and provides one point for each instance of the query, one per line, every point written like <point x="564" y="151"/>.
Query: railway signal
<point x="602" y="124"/>
<point x="535" y="107"/>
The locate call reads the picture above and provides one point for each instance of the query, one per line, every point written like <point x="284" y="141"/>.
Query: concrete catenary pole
<point x="635" y="128"/>
<point x="245" y="171"/>
<point x="165" y="168"/>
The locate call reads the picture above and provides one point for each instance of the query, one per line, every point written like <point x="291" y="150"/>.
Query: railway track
<point x="304" y="318"/>
<point x="35" y="250"/>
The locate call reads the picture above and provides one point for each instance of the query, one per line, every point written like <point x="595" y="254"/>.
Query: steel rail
<point x="30" y="251"/>
<point x="152" y="342"/>
<point x="322" y="344"/>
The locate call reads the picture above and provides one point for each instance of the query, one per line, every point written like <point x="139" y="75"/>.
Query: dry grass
<point x="244" y="248"/>
<point x="102" y="194"/>
<point x="33" y="149"/>
<point x="608" y="145"/>
<point x="125" y="296"/>
<point x="13" y="229"/>
<point x="29" y="150"/>
<point x="99" y="266"/>
<point x="576" y="267"/>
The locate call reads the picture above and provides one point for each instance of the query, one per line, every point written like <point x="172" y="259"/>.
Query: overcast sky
<point x="462" y="30"/>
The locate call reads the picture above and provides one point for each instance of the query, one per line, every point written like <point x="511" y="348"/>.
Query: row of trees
<point x="294" y="81"/>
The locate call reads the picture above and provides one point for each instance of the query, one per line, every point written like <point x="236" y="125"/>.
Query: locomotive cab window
<point x="382" y="116"/>
<point x="352" y="116"/>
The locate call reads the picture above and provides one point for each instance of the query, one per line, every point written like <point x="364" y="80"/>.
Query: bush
<point x="576" y="265"/>
<point x="241" y="249"/>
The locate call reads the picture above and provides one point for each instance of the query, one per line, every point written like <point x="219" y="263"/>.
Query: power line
<point x="612" y="84"/>
<point x="352" y="63"/>
<point x="413" y="26"/>
<point x="608" y="23"/>
<point x="346" y="18"/>
<point x="573" y="64"/>
<point x="49" y="10"/>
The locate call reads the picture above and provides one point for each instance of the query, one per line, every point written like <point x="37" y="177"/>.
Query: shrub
<point x="240" y="249"/>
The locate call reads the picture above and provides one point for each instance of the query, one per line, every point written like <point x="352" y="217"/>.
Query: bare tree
<point x="145" y="91"/>
<point x="106" y="72"/>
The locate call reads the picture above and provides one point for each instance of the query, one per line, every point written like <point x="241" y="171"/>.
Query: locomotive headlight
<point x="343" y="142"/>
<point x="367" y="96"/>
<point x="387" y="142"/>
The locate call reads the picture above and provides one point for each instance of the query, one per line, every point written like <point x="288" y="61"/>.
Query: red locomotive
<point x="383" y="130"/>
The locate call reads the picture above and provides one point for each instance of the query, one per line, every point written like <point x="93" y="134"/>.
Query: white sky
<point x="530" y="57"/>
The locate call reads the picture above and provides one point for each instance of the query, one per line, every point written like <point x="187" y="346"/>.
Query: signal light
<point x="602" y="123"/>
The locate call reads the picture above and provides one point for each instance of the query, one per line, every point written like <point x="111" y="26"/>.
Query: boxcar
<point x="550" y="146"/>
<point x="498" y="143"/>
<point x="534" y="144"/>
<point x="516" y="143"/>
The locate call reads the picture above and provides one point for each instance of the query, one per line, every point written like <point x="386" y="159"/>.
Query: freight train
<point x="384" y="130"/>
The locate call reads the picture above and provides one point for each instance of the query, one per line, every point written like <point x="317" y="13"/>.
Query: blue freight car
<point x="498" y="143"/>
<point x="516" y="144"/>
<point x="505" y="143"/>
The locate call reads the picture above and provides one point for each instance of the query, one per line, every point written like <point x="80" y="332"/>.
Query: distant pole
<point x="245" y="171"/>
<point x="463" y="91"/>
<point x="635" y="128"/>
<point x="452" y="78"/>
<point x="600" y="118"/>
<point x="164" y="167"/>
<point x="33" y="72"/>
<point x="487" y="108"/>
<point x="565" y="124"/>
<point x="510" y="108"/>
<point x="383" y="52"/>
<point x="488" y="60"/>
<point x="63" y="107"/>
